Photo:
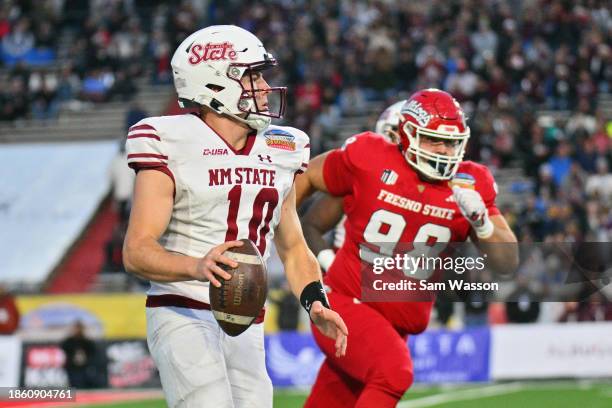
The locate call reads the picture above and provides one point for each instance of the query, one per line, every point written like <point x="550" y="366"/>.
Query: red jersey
<point x="386" y="201"/>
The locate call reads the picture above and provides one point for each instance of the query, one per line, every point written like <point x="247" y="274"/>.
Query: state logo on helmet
<point x="208" y="67"/>
<point x="433" y="116"/>
<point x="388" y="122"/>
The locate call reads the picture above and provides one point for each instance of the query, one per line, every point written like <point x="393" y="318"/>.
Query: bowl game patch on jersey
<point x="280" y="139"/>
<point x="463" y="180"/>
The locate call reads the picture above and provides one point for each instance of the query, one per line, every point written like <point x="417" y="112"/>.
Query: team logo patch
<point x="388" y="177"/>
<point x="211" y="52"/>
<point x="280" y="139"/>
<point x="415" y="109"/>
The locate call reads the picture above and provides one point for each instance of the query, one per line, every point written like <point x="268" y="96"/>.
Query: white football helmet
<point x="207" y="68"/>
<point x="388" y="121"/>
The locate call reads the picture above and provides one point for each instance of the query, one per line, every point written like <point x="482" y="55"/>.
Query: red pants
<point x="376" y="370"/>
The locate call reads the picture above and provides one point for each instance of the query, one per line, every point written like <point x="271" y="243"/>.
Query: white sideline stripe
<point x="233" y="318"/>
<point x="474" y="393"/>
<point x="244" y="258"/>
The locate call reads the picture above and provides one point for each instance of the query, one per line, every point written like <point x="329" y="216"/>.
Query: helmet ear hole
<point x="215" y="88"/>
<point x="243" y="104"/>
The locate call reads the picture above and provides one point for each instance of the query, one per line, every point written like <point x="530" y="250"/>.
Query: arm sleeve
<point x="145" y="149"/>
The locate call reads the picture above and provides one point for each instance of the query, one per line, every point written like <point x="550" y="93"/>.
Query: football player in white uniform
<point x="326" y="211"/>
<point x="203" y="182"/>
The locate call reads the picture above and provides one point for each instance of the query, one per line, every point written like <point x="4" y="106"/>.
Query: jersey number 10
<point x="257" y="232"/>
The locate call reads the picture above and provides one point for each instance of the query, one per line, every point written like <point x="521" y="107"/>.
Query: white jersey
<point x="220" y="194"/>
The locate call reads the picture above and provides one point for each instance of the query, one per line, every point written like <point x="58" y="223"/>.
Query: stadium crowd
<point x="530" y="74"/>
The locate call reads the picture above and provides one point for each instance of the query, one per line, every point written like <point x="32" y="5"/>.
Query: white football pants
<point x="200" y="366"/>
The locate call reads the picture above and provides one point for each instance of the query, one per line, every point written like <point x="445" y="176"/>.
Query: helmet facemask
<point x="434" y="165"/>
<point x="247" y="103"/>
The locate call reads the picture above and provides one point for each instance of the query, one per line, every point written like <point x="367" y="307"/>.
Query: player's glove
<point x="474" y="210"/>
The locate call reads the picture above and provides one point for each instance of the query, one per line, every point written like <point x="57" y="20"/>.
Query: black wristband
<point x="312" y="292"/>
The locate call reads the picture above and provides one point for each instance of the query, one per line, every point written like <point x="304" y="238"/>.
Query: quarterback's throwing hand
<point x="207" y="267"/>
<point x="330" y="324"/>
<point x="474" y="210"/>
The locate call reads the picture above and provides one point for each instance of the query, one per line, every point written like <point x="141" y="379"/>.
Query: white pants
<point x="200" y="366"/>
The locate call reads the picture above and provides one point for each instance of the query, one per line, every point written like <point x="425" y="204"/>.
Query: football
<point x="240" y="299"/>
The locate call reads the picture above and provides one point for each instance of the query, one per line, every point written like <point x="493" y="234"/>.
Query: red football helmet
<point x="437" y="116"/>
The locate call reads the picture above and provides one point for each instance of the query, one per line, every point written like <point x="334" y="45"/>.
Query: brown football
<point x="240" y="299"/>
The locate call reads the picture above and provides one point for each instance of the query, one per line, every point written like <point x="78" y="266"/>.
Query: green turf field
<point x="567" y="394"/>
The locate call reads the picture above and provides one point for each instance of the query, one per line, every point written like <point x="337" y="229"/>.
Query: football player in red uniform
<point x="402" y="193"/>
<point x="326" y="211"/>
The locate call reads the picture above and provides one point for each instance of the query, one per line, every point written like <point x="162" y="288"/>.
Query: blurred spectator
<point x="9" y="314"/>
<point x="462" y="84"/>
<point x="96" y="85"/>
<point x="134" y="115"/>
<point x="475" y="304"/>
<point x="581" y="120"/>
<point x="159" y="48"/>
<point x="122" y="183"/>
<point x="123" y="87"/>
<point x="352" y="101"/>
<point x="288" y="312"/>
<point x="600" y="184"/>
<point x="561" y="163"/>
<point x="68" y="86"/>
<point x="19" y="41"/>
<point x="476" y="309"/>
<point x="114" y="249"/>
<point x="15" y="100"/>
<point x="524" y="306"/>
<point x="80" y="361"/>
<point x="43" y="88"/>
<point x="593" y="309"/>
<point x="444" y="307"/>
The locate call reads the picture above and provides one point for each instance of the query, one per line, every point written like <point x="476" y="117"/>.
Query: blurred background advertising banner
<point x="10" y="355"/>
<point x="451" y="356"/>
<point x="129" y="364"/>
<point x="109" y="316"/>
<point x="292" y="359"/>
<point x="43" y="366"/>
<point x="543" y="351"/>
